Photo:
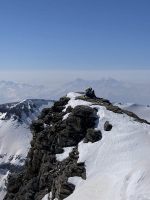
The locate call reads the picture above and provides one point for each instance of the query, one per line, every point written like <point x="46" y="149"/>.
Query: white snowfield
<point x="14" y="145"/>
<point x="118" y="166"/>
<point x="65" y="154"/>
<point x="141" y="110"/>
<point x="14" y="141"/>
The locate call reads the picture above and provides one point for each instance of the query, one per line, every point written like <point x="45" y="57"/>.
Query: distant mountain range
<point x="12" y="91"/>
<point x="116" y="91"/>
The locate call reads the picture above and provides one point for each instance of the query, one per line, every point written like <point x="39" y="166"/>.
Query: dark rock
<point x="107" y="126"/>
<point x="14" y="182"/>
<point x="48" y="118"/>
<point x="93" y="135"/>
<point x="59" y="105"/>
<point x="45" y="112"/>
<point x="84" y="111"/>
<point x="66" y="190"/>
<point x="89" y="92"/>
<point x="81" y="118"/>
<point x="57" y="117"/>
<point x="37" y="126"/>
<point x="69" y="109"/>
<point x="79" y="170"/>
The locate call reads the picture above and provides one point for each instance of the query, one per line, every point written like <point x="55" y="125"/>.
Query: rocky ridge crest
<point x="43" y="173"/>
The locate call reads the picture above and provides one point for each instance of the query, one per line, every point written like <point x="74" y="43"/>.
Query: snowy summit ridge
<point x="85" y="148"/>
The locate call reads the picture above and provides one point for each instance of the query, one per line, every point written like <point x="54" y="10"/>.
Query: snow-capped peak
<point x="24" y="111"/>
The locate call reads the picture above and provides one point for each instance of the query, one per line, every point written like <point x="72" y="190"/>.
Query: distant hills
<point x="116" y="91"/>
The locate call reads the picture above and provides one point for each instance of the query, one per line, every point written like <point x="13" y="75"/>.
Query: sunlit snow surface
<point x="118" y="166"/>
<point x="14" y="145"/>
<point x="14" y="140"/>
<point x="65" y="154"/>
<point x="141" y="110"/>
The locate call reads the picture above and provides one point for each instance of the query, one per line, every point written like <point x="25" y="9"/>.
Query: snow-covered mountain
<point x="141" y="110"/>
<point x="15" y="135"/>
<point x="89" y="149"/>
<point x="13" y="91"/>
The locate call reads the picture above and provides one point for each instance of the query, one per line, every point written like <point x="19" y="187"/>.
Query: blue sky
<point x="74" y="34"/>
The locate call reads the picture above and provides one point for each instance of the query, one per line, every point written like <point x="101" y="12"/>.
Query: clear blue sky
<point x="75" y="34"/>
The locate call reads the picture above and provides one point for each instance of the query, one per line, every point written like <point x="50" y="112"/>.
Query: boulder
<point x="107" y="126"/>
<point x="65" y="190"/>
<point x="93" y="135"/>
<point x="69" y="109"/>
<point x="84" y="112"/>
<point x="89" y="92"/>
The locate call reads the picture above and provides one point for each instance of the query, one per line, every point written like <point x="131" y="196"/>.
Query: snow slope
<point x="15" y="135"/>
<point x="14" y="145"/>
<point x="141" y="110"/>
<point x="118" y="166"/>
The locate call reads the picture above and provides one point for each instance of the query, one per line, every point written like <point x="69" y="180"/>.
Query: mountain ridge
<point x="63" y="163"/>
<point x="114" y="90"/>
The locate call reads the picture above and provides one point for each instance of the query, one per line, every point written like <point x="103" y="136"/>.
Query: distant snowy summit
<point x="142" y="111"/>
<point x="24" y="111"/>
<point x="15" y="92"/>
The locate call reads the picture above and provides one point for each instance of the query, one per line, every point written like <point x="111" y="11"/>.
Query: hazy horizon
<point x="55" y="78"/>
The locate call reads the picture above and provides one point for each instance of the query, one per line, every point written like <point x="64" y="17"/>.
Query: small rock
<point x="107" y="126"/>
<point x="89" y="92"/>
<point x="69" y="109"/>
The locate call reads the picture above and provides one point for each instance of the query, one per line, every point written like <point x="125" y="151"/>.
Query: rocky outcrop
<point x="42" y="172"/>
<point x="93" y="135"/>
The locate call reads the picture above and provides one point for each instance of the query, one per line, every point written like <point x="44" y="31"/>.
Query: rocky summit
<point x="43" y="172"/>
<point x="83" y="147"/>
